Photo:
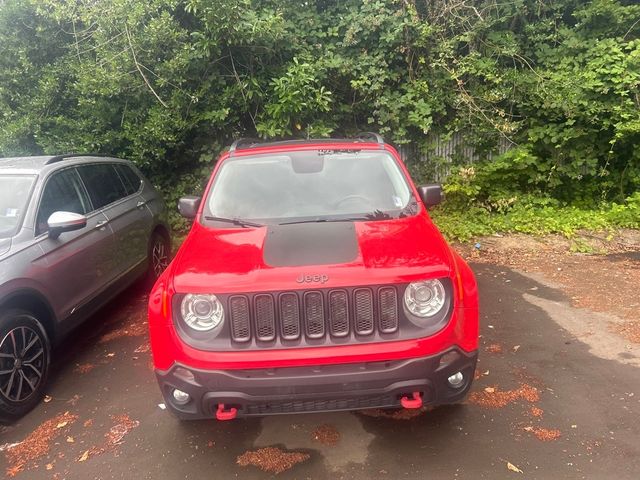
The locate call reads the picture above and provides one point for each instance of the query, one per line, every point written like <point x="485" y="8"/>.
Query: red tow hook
<point x="222" y="414"/>
<point x="412" y="403"/>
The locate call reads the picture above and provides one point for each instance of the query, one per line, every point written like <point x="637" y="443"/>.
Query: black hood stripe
<point x="304" y="244"/>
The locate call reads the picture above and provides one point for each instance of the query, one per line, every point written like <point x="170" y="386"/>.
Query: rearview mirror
<point x="188" y="206"/>
<point x="431" y="194"/>
<point x="60" y="222"/>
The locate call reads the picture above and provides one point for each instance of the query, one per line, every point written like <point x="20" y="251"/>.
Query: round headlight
<point x="201" y="312"/>
<point x="425" y="298"/>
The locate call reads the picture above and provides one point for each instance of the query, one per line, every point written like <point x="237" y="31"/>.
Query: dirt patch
<point x="603" y="280"/>
<point x="38" y="443"/>
<point x="493" y="397"/>
<point x="326" y="434"/>
<point x="272" y="459"/>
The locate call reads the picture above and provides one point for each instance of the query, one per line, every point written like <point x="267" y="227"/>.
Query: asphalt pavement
<point x="546" y="404"/>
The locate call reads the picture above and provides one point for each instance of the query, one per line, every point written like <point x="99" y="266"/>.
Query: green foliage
<point x="296" y="102"/>
<point x="169" y="82"/>
<point x="537" y="216"/>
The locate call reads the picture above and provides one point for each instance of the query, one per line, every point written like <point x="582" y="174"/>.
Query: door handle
<point x="101" y="224"/>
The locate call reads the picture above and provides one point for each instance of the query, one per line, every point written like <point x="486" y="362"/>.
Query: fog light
<point x="180" y="397"/>
<point x="456" y="380"/>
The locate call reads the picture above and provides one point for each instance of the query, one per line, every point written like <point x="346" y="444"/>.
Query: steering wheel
<point x="351" y="198"/>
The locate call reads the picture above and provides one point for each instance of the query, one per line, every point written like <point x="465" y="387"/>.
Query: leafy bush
<point x="537" y="216"/>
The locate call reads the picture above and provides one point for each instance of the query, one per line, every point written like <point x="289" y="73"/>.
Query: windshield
<point x="14" y="194"/>
<point x="316" y="185"/>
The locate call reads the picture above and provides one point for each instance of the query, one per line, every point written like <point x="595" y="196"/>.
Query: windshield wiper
<point x="328" y="220"/>
<point x="234" y="221"/>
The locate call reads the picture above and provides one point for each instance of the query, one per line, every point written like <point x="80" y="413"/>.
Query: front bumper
<point x="318" y="388"/>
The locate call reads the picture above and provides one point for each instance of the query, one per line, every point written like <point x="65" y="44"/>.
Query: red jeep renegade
<point x="312" y="280"/>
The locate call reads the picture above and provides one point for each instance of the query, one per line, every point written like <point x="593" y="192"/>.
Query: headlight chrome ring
<point x="202" y="312"/>
<point x="425" y="298"/>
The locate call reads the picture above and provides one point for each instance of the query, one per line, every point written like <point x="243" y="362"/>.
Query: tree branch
<point x="135" y="61"/>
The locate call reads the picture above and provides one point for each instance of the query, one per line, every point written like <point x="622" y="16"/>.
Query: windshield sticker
<point x="397" y="201"/>
<point x="11" y="212"/>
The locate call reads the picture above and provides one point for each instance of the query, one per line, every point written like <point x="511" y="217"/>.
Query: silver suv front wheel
<point x="24" y="363"/>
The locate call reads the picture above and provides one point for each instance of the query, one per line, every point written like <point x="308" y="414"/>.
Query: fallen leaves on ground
<point x="536" y="412"/>
<point x="113" y="438"/>
<point x="131" y="329"/>
<point x="38" y="443"/>
<point x="493" y="397"/>
<point x="494" y="348"/>
<point x="629" y="330"/>
<point x="544" y="434"/>
<point x="73" y="400"/>
<point x="579" y="276"/>
<point x="326" y="434"/>
<point x="84" y="368"/>
<point x="397" y="414"/>
<point x="272" y="459"/>
<point x="144" y="348"/>
<point x="513" y="468"/>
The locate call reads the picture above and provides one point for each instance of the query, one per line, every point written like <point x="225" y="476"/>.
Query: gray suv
<point x="74" y="232"/>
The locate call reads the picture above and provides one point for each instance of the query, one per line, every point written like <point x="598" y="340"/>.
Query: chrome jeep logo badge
<point x="317" y="278"/>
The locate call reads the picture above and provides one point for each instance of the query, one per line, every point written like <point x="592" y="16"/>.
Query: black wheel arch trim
<point x="50" y="324"/>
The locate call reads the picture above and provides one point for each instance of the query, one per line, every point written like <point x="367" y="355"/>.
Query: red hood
<point x="232" y="260"/>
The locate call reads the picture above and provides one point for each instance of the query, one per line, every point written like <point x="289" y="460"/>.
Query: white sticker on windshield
<point x="397" y="201"/>
<point x="12" y="212"/>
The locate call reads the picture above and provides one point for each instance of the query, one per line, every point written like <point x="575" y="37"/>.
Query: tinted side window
<point x="103" y="184"/>
<point x="130" y="179"/>
<point x="62" y="193"/>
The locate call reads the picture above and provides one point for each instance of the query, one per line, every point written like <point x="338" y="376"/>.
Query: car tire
<point x="25" y="355"/>
<point x="159" y="255"/>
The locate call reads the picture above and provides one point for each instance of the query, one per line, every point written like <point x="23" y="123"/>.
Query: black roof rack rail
<point x="59" y="158"/>
<point x="371" y="135"/>
<point x="242" y="141"/>
<point x="251" y="142"/>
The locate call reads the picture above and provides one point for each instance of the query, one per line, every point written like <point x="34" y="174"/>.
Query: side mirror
<point x="188" y="206"/>
<point x="431" y="194"/>
<point x="60" y="222"/>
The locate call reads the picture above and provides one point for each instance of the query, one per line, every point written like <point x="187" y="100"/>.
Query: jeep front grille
<point x="364" y="311"/>
<point x="338" y="313"/>
<point x="289" y="316"/>
<point x="265" y="318"/>
<point x="388" y="309"/>
<point x="240" y="319"/>
<point x="314" y="314"/>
